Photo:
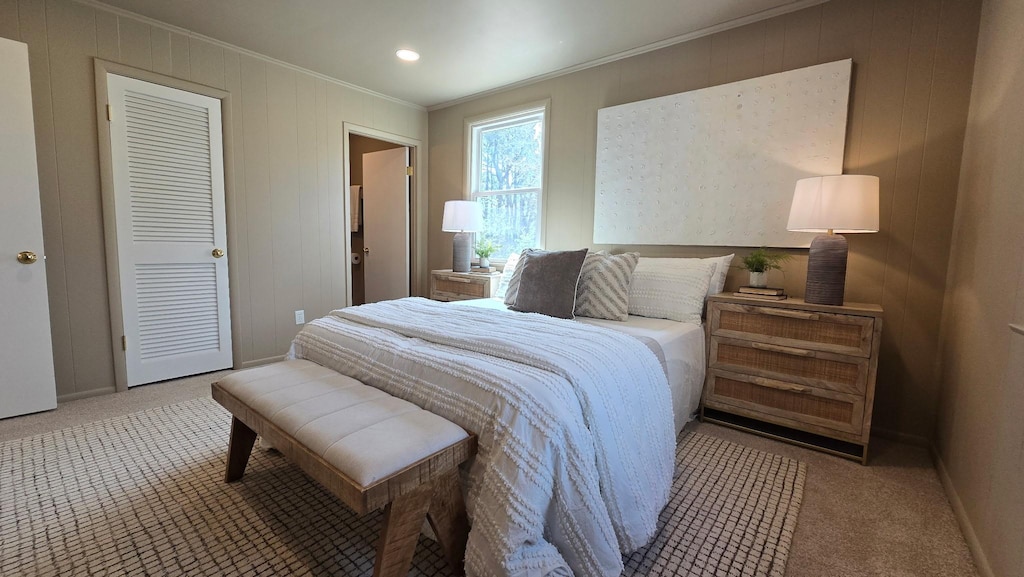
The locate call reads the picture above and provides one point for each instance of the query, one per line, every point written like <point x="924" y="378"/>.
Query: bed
<point x="576" y="419"/>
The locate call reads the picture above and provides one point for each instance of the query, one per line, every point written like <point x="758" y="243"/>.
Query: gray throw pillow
<point x="547" y="283"/>
<point x="603" y="291"/>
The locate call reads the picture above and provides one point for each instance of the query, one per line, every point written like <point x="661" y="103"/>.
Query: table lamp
<point x="462" y="217"/>
<point x="844" y="203"/>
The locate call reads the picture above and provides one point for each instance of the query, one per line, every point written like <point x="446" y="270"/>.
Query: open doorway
<point x="381" y="217"/>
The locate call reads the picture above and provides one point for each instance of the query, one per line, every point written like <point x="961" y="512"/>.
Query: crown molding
<point x="707" y="31"/>
<point x="184" y="31"/>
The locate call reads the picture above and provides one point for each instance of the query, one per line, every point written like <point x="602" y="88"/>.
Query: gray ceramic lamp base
<point x="462" y="252"/>
<point x="826" y="270"/>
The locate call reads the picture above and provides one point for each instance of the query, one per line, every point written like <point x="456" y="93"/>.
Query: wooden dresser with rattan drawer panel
<point x="446" y="285"/>
<point x="799" y="372"/>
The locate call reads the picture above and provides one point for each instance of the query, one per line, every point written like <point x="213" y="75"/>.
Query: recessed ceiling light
<point x="408" y="55"/>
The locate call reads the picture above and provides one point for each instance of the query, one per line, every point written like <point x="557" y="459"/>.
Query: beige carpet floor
<point x="890" y="518"/>
<point x="143" y="493"/>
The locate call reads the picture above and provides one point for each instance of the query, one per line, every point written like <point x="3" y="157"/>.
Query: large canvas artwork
<point x="717" y="166"/>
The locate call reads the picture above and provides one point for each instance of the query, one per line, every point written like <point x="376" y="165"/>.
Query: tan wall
<point x="980" y="433"/>
<point x="286" y="218"/>
<point x="911" y="86"/>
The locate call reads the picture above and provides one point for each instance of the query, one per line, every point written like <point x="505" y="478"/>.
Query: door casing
<point x="417" y="204"/>
<point x="101" y="69"/>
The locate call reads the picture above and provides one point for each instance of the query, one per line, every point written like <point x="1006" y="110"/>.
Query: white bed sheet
<point x="681" y="343"/>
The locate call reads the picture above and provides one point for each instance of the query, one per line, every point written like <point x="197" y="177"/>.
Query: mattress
<point x="681" y="343"/>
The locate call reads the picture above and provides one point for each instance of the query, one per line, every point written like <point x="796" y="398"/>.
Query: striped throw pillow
<point x="603" y="290"/>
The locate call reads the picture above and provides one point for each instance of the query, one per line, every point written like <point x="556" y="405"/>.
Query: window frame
<point x="498" y="119"/>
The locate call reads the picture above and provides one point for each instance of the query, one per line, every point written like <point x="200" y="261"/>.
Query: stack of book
<point x="770" y="294"/>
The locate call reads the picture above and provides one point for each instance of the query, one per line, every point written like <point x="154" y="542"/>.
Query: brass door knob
<point x="27" y="257"/>
<point x="217" y="253"/>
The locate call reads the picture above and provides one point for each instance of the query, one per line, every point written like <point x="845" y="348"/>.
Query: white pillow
<point x="721" y="271"/>
<point x="670" y="288"/>
<point x="506" y="275"/>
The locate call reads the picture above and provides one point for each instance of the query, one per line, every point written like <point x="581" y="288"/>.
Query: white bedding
<point x="681" y="343"/>
<point x="576" y="440"/>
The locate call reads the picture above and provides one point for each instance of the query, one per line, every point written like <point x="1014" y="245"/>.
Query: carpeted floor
<point x="143" y="493"/>
<point x="890" y="518"/>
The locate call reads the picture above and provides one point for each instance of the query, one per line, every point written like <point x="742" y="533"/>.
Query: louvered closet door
<point x="168" y="167"/>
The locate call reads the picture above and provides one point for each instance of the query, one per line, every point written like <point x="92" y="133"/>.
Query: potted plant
<point x="484" y="249"/>
<point x="759" y="262"/>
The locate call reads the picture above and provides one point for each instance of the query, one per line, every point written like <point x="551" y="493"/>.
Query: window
<point x="506" y="177"/>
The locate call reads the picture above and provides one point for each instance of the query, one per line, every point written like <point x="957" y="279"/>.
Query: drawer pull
<point x="790" y="314"/>
<point x="780" y="385"/>
<point x="784" y="350"/>
<point x="458" y="279"/>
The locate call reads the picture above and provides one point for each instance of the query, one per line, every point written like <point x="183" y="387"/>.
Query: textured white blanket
<point x="574" y="422"/>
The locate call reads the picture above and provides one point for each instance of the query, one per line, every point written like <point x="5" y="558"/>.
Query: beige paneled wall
<point x="286" y="213"/>
<point x="980" y="434"/>
<point x="911" y="86"/>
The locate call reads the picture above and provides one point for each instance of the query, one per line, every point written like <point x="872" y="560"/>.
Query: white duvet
<point x="576" y="442"/>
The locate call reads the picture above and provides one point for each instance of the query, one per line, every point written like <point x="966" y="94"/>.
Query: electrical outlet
<point x="300" y="317"/>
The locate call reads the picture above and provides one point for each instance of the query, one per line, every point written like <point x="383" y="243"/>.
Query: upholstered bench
<point x="367" y="447"/>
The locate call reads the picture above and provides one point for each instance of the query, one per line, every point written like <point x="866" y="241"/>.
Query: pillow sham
<point x="670" y="288"/>
<point x="506" y="275"/>
<point x="547" y="284"/>
<point x="603" y="290"/>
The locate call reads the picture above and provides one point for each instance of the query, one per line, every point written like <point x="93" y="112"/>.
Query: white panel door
<point x="26" y="357"/>
<point x="386" y="224"/>
<point x="168" y="166"/>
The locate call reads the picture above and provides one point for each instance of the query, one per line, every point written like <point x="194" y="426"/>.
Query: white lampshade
<point x="462" y="216"/>
<point x="845" y="203"/>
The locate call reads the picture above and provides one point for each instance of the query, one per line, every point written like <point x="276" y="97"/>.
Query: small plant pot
<point x="485" y="262"/>
<point x="759" y="279"/>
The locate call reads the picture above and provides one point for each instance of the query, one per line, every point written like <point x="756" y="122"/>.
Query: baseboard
<point x="900" y="437"/>
<point x="264" y="361"/>
<point x="85" y="394"/>
<point x="980" y="560"/>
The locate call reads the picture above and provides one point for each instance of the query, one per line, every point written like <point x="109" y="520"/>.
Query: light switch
<point x="300" y="317"/>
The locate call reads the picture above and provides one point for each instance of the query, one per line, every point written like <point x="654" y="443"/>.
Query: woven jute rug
<point x="144" y="494"/>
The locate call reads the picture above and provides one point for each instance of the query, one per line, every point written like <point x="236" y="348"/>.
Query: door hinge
<point x="124" y="343"/>
<point x="110" y="113"/>
<point x="408" y="171"/>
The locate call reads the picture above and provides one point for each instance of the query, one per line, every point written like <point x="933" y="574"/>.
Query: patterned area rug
<point x="144" y="494"/>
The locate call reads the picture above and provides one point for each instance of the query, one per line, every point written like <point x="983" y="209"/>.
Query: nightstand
<point x="446" y="285"/>
<point x="794" y="371"/>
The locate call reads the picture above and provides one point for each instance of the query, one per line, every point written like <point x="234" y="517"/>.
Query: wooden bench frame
<point x="427" y="488"/>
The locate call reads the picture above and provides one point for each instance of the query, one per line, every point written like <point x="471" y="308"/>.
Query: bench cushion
<point x="364" y="432"/>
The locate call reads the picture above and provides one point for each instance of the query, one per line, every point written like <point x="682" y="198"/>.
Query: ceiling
<point x="467" y="46"/>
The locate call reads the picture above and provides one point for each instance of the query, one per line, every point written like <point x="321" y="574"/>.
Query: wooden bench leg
<point x="239" y="449"/>
<point x="448" y="519"/>
<point x="403" y="519"/>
